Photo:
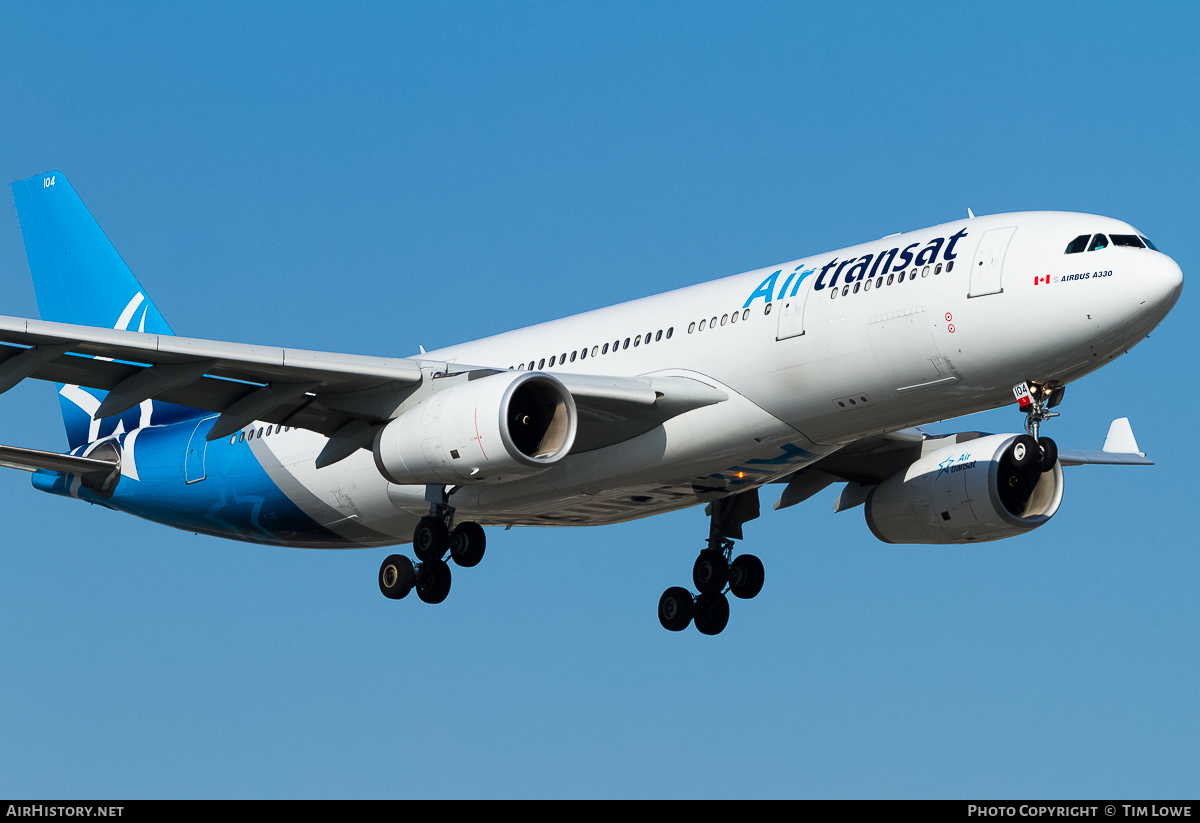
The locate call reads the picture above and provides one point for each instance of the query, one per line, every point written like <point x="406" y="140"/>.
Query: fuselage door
<point x="988" y="268"/>
<point x="791" y="312"/>
<point x="193" y="463"/>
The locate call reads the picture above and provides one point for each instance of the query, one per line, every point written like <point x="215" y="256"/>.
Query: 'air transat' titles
<point x="837" y="272"/>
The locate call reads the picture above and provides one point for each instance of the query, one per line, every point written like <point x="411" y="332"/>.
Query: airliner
<point x="822" y="370"/>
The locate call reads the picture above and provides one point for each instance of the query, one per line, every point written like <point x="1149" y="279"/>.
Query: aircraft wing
<point x="868" y="462"/>
<point x="1120" y="449"/>
<point x="342" y="396"/>
<point x="242" y="382"/>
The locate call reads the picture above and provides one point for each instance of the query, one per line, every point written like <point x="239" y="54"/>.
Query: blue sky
<point x="373" y="177"/>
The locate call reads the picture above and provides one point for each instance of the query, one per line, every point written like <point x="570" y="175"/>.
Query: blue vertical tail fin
<point x="80" y="278"/>
<point x="78" y="275"/>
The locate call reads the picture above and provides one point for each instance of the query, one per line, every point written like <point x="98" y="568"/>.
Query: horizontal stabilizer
<point x="15" y="457"/>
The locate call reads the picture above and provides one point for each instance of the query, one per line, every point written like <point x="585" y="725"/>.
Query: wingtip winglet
<point x="1120" y="438"/>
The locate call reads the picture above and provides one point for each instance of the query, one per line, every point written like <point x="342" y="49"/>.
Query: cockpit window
<point x="1078" y="244"/>
<point x="1099" y="241"/>
<point x="1131" y="240"/>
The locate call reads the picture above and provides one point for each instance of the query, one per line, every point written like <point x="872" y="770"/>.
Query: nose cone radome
<point x="1165" y="285"/>
<point x="1157" y="288"/>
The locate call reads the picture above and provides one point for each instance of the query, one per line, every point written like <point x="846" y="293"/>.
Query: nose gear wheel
<point x="1036" y="400"/>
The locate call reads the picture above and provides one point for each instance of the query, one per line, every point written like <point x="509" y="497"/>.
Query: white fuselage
<point x="813" y="354"/>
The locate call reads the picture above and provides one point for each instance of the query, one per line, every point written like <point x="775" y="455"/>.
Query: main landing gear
<point x="1036" y="400"/>
<point x="432" y="539"/>
<point x="714" y="570"/>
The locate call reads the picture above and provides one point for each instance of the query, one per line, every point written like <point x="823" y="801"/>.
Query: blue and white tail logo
<point x="79" y="405"/>
<point x="80" y="278"/>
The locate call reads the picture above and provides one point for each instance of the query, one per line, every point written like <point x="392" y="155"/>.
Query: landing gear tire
<point x="396" y="577"/>
<point x="1049" y="454"/>
<point x="712" y="613"/>
<point x="433" y="581"/>
<point x="711" y="571"/>
<point x="675" y="609"/>
<point x="431" y="538"/>
<point x="1024" y="451"/>
<point x="746" y="576"/>
<point x="467" y="542"/>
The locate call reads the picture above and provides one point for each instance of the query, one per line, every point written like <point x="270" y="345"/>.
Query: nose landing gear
<point x="1036" y="400"/>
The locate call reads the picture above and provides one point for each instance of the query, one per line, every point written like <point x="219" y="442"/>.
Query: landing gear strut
<point x="715" y="570"/>
<point x="1036" y="400"/>
<point x="432" y="539"/>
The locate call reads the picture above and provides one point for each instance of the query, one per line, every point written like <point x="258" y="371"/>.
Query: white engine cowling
<point x="496" y="428"/>
<point x="972" y="491"/>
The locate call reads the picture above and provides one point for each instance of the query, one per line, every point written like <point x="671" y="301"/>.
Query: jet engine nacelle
<point x="500" y="427"/>
<point x="982" y="489"/>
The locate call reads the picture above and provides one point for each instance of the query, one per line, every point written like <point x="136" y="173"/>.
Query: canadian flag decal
<point x="1042" y="280"/>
